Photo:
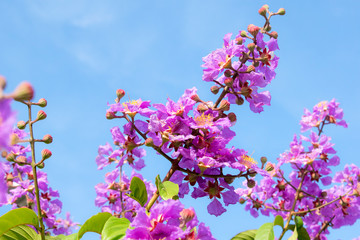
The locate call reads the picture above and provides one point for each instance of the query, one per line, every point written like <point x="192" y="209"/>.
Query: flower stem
<point x="33" y="165"/>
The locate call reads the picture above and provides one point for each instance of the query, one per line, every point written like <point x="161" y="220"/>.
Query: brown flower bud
<point x="228" y="73"/>
<point x="10" y="157"/>
<point x="251" y="183"/>
<point x="229" y="81"/>
<point x="263" y="160"/>
<point x="239" y="101"/>
<point x="224" y="105"/>
<point x="214" y="89"/>
<point x="242" y="200"/>
<point x="232" y="117"/>
<point x="273" y="34"/>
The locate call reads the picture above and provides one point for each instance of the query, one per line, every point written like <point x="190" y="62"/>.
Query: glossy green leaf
<point x="294" y="236"/>
<point x="279" y="221"/>
<point x="298" y="222"/>
<point x="17" y="217"/>
<point x="246" y="235"/>
<point x="265" y="232"/>
<point x="138" y="191"/>
<point x="168" y="190"/>
<point x="115" y="228"/>
<point x="303" y="234"/>
<point x="94" y="224"/>
<point x="21" y="232"/>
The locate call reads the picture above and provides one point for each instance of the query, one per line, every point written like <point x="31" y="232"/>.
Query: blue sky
<point x="77" y="53"/>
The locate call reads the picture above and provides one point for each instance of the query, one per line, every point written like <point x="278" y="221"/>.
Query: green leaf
<point x="62" y="237"/>
<point x="291" y="227"/>
<point x="17" y="217"/>
<point x="168" y="190"/>
<point x="279" y="221"/>
<point x="246" y="235"/>
<point x="298" y="222"/>
<point x="94" y="224"/>
<point x="265" y="232"/>
<point x="294" y="236"/>
<point x="303" y="234"/>
<point x="157" y="181"/>
<point x="138" y="191"/>
<point x="21" y="232"/>
<point x="115" y="228"/>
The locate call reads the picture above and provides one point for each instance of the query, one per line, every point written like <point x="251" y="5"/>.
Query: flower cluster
<point x="303" y="192"/>
<point x="254" y="68"/>
<point x="19" y="188"/>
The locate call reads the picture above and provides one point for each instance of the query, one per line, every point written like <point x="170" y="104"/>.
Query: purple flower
<point x="7" y="120"/>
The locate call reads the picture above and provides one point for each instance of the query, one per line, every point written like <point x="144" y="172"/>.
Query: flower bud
<point x="229" y="180"/>
<point x="45" y="153"/>
<point x="14" y="139"/>
<point x="120" y="93"/>
<point x="47" y="139"/>
<point x="187" y="215"/>
<point x="42" y="102"/>
<point x="10" y="157"/>
<point x="41" y="165"/>
<point x="253" y="174"/>
<point x="4" y="154"/>
<point x="195" y="98"/>
<point x="21" y="160"/>
<point x="262" y="11"/>
<point x="229" y="81"/>
<point x="21" y="124"/>
<point x="24" y="91"/>
<point x="239" y="40"/>
<point x="214" y="89"/>
<point x="266" y="6"/>
<point x="239" y="101"/>
<point x="251" y="183"/>
<point x="110" y="115"/>
<point x="243" y="34"/>
<point x="228" y="73"/>
<point x="269" y="167"/>
<point x="149" y="142"/>
<point x="263" y="160"/>
<point x="251" y="47"/>
<point x="201" y="107"/>
<point x="232" y="117"/>
<point x="224" y="105"/>
<point x="2" y="82"/>
<point x="273" y="34"/>
<point x="268" y="28"/>
<point x="250" y="69"/>
<point x="246" y="91"/>
<point x="242" y="200"/>
<point x="281" y="11"/>
<point x="41" y="115"/>
<point x="323" y="194"/>
<point x="253" y="30"/>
